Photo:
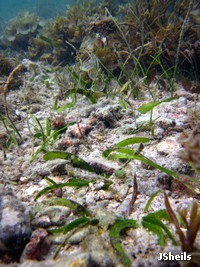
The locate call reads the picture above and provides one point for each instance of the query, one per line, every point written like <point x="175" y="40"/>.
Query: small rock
<point x="57" y="166"/>
<point x="109" y="115"/>
<point x="35" y="108"/>
<point x="23" y="179"/>
<point x="43" y="221"/>
<point x="101" y="168"/>
<point x="166" y="147"/>
<point x="38" y="246"/>
<point x="164" y="181"/>
<point x="15" y="229"/>
<point x="147" y="190"/>
<point x="50" y="216"/>
<point x="182" y="100"/>
<point x="80" y="130"/>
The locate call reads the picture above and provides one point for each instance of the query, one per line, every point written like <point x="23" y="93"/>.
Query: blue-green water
<point x="44" y="8"/>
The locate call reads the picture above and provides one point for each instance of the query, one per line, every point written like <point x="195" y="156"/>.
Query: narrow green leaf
<point x="50" y="181"/>
<point x="131" y="141"/>
<point x="59" y="154"/>
<point x="71" y="182"/>
<point x="115" y="230"/>
<point x="143" y="159"/>
<point x="150" y="200"/>
<point x="126" y="142"/>
<point x="75" y="161"/>
<point x="47" y="40"/>
<point x="82" y="164"/>
<point x="153" y="222"/>
<point x="38" y="135"/>
<point x="78" y="78"/>
<point x="79" y="183"/>
<point x="125" y="151"/>
<point x="156" y="230"/>
<point x="73" y="205"/>
<point x="60" y="130"/>
<point x="120" y="173"/>
<point x="107" y="152"/>
<point x="55" y="104"/>
<point x="106" y="184"/>
<point x="89" y="94"/>
<point x="48" y="127"/>
<point x="64" y="107"/>
<point x="74" y="224"/>
<point x="39" y="125"/>
<point x="149" y="106"/>
<point x="119" y="155"/>
<point x="41" y="148"/>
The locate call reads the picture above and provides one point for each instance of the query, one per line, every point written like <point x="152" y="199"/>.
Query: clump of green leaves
<point x="186" y="219"/>
<point x="153" y="222"/>
<point x="45" y="135"/>
<point x="122" y="151"/>
<point x="76" y="162"/>
<point x="10" y="136"/>
<point x="149" y="107"/>
<point x="69" y="228"/>
<point x="54" y="186"/>
<point x="114" y="233"/>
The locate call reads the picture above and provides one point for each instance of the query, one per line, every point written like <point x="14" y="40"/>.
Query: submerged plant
<point x="21" y="29"/>
<point x="64" y="36"/>
<point x="45" y="135"/>
<point x="149" y="107"/>
<point x="121" y="151"/>
<point x="153" y="222"/>
<point x="170" y="33"/>
<point x="12" y="132"/>
<point x="191" y="223"/>
<point x="114" y="233"/>
<point x="186" y="223"/>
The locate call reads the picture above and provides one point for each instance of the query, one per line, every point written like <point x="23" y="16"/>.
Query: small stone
<point x="35" y="108"/>
<point x="109" y="115"/>
<point x="166" y="147"/>
<point x="164" y="181"/>
<point x="50" y="216"/>
<point x="15" y="227"/>
<point x="43" y="221"/>
<point x="99" y="185"/>
<point x="38" y="246"/>
<point x="183" y="100"/>
<point x="57" y="166"/>
<point x="101" y="168"/>
<point x="23" y="179"/>
<point x="58" y="192"/>
<point x="80" y="130"/>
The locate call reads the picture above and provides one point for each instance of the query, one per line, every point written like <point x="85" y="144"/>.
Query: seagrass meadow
<point x="100" y="133"/>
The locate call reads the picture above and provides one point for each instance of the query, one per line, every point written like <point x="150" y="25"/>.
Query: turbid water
<point x="45" y="8"/>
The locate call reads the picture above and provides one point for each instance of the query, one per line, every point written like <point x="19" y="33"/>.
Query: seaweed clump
<point x="20" y="30"/>
<point x="6" y="65"/>
<point x="65" y="34"/>
<point x="153" y="35"/>
<point x="166" y="30"/>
